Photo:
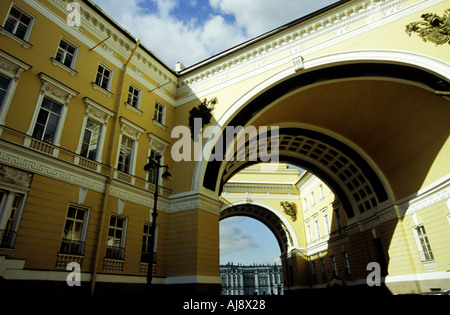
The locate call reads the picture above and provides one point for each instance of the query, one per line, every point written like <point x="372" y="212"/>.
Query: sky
<point x="247" y="241"/>
<point x="190" y="31"/>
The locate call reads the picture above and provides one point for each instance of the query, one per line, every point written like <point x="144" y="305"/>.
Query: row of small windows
<point x="19" y="23"/>
<point x="74" y="229"/>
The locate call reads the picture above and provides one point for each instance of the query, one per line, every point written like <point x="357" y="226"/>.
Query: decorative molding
<point x="194" y="202"/>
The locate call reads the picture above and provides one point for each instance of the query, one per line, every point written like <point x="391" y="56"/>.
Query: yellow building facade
<point x="345" y="93"/>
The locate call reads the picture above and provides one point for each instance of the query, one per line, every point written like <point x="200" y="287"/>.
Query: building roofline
<point x="110" y="20"/>
<point x="260" y="37"/>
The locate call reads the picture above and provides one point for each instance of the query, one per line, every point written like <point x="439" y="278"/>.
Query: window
<point x="91" y="138"/>
<point x="134" y="97"/>
<point x="146" y="244"/>
<point x="333" y="266"/>
<point x="66" y="53"/>
<point x="159" y="113"/>
<point x="305" y="204"/>
<point x="321" y="194"/>
<point x="10" y="211"/>
<point x="125" y="155"/>
<point x="47" y="121"/>
<point x="4" y="84"/>
<point x="325" y="221"/>
<point x="346" y="264"/>
<point x="74" y="231"/>
<point x="313" y="201"/>
<point x="308" y="232"/>
<point x="152" y="173"/>
<point x="323" y="269"/>
<point x="116" y="238"/>
<point x="313" y="270"/>
<point x="18" y="23"/>
<point x="316" y="225"/>
<point x="423" y="244"/>
<point x="103" y="78"/>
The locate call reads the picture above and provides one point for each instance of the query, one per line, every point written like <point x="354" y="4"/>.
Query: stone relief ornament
<point x="290" y="208"/>
<point x="15" y="177"/>
<point x="433" y="28"/>
<point x="202" y="111"/>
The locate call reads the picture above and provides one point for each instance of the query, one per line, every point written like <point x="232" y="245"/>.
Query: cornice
<point x="296" y="41"/>
<point x="116" y="45"/>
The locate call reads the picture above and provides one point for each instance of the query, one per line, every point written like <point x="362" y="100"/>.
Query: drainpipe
<point x="113" y="143"/>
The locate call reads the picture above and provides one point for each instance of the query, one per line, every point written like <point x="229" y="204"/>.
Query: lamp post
<point x="152" y="165"/>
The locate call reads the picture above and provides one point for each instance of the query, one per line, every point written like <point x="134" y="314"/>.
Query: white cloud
<point x="226" y="24"/>
<point x="233" y="239"/>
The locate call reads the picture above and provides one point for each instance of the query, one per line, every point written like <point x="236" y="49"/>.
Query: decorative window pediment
<point x="56" y="90"/>
<point x="130" y="129"/>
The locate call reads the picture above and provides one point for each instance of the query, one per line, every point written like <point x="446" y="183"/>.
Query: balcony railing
<point x="71" y="247"/>
<point x="114" y="252"/>
<point x="7" y="238"/>
<point x="145" y="257"/>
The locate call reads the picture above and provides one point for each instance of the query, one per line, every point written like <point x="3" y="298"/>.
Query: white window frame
<point x="10" y="68"/>
<point x="100" y="114"/>
<point x="420" y="247"/>
<point x="132" y="131"/>
<point x="59" y="93"/>
<point x="71" y="68"/>
<point x="138" y="97"/>
<point x="98" y="87"/>
<point x="156" y="146"/>
<point x="23" y="41"/>
<point x="85" y="223"/>
<point x="163" y="116"/>
<point x="122" y="238"/>
<point x="13" y="183"/>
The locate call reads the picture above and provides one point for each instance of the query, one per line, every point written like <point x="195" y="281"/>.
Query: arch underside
<point x="265" y="216"/>
<point x="353" y="179"/>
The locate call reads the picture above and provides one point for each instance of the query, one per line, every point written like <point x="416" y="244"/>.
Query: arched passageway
<point x="376" y="134"/>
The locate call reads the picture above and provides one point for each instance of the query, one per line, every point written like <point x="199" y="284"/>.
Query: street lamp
<point x="153" y="164"/>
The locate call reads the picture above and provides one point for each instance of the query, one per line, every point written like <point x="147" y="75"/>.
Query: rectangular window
<point x="313" y="270"/>
<point x="125" y="155"/>
<point x="18" y="23"/>
<point x="323" y="269"/>
<point x="74" y="231"/>
<point x="159" y="113"/>
<point x="4" y="84"/>
<point x="423" y="243"/>
<point x="152" y="173"/>
<point x="66" y="54"/>
<point x="103" y="78"/>
<point x="91" y="140"/>
<point x="333" y="266"/>
<point x="346" y="264"/>
<point x="146" y="244"/>
<point x="10" y="210"/>
<point x="47" y="121"/>
<point x="116" y="238"/>
<point x="316" y="225"/>
<point x="134" y="96"/>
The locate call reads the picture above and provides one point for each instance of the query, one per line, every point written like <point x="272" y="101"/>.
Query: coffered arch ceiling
<point x="371" y="131"/>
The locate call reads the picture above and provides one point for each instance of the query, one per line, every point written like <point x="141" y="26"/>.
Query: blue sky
<point x="247" y="241"/>
<point x="190" y="31"/>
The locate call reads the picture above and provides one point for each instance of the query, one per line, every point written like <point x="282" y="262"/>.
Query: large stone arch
<point x="417" y="70"/>
<point x="280" y="227"/>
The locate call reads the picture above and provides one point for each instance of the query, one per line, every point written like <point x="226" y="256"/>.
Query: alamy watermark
<point x="74" y="17"/>
<point x="235" y="143"/>
<point x="74" y="277"/>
